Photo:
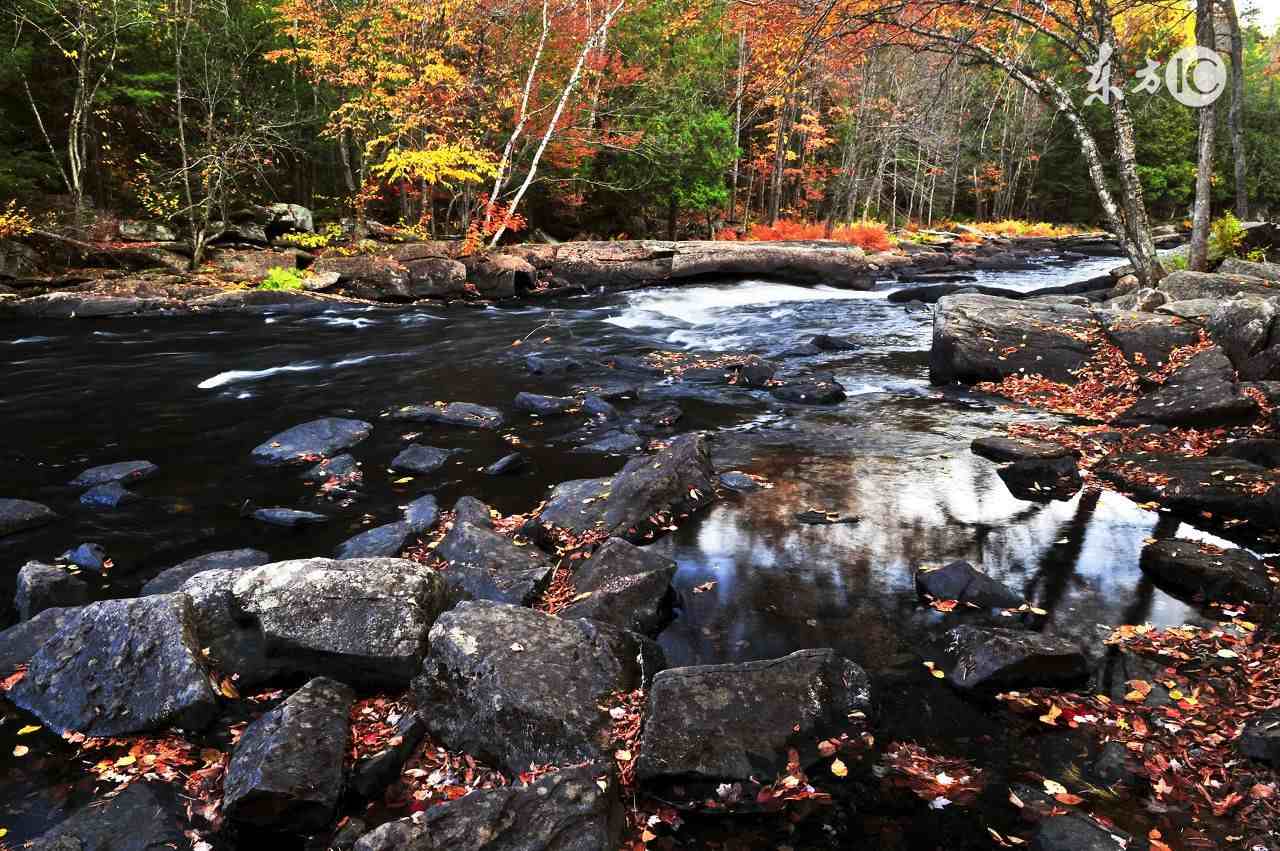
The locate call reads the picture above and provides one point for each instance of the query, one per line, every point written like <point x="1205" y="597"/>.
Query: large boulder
<point x="1223" y="488"/>
<point x="175" y="577"/>
<point x="231" y="644"/>
<point x="142" y="817"/>
<point x="985" y="338"/>
<point x="677" y="480"/>
<point x="982" y="657"/>
<point x="964" y="583"/>
<point x="290" y="218"/>
<point x="119" y="667"/>
<point x="460" y="414"/>
<point x="436" y="277"/>
<point x="1205" y="572"/>
<point x="364" y="620"/>
<point x="1004" y="449"/>
<point x="312" y="441"/>
<point x="20" y="642"/>
<point x="514" y="686"/>
<point x="1242" y="326"/>
<point x="730" y="723"/>
<point x="626" y="586"/>
<point x="1189" y="286"/>
<point x="484" y="565"/>
<point x="124" y="472"/>
<point x="1202" y="392"/>
<point x="367" y="276"/>
<point x="47" y="586"/>
<point x="18" y="515"/>
<point x="286" y="772"/>
<point x="1266" y="271"/>
<point x="423" y="460"/>
<point x="500" y="275"/>
<point x="574" y="809"/>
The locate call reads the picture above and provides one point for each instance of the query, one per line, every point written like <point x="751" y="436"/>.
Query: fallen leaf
<point x="1053" y="787"/>
<point x="839" y="769"/>
<point x="30" y="728"/>
<point x="1052" y="715"/>
<point x="21" y="750"/>
<point x="1069" y="799"/>
<point x="706" y="586"/>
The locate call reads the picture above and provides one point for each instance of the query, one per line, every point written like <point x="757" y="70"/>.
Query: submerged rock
<point x="142" y="817"/>
<point x="964" y="583"/>
<point x="626" y="586"/>
<point x="818" y="388"/>
<point x="288" y="517"/>
<point x="110" y="495"/>
<point x="173" y="578"/>
<point x="484" y="565"/>
<point x="834" y="343"/>
<point x="506" y="465"/>
<point x="730" y="723"/>
<point x="286" y="771"/>
<point x="312" y="441"/>
<point x="416" y="458"/>
<point x="738" y="481"/>
<point x="119" y="667"/>
<point x="121" y="471"/>
<point x="994" y="656"/>
<point x="1205" y="572"/>
<point x="364" y="620"/>
<point x="18" y="515"/>
<point x="545" y="406"/>
<point x="1042" y="479"/>
<point x="461" y="414"/>
<point x="514" y="686"/>
<point x="574" y="809"/>
<point x="47" y="586"/>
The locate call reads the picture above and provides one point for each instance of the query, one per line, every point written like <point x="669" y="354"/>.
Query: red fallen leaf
<point x="1069" y="799"/>
<point x="1262" y="790"/>
<point x="827" y="747"/>
<point x="14" y="678"/>
<point x="944" y="605"/>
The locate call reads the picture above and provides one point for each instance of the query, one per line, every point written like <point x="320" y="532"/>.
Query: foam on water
<point x="709" y="304"/>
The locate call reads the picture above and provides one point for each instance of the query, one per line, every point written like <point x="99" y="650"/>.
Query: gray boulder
<point x="364" y="620"/>
<point x="1147" y="339"/>
<point x="1042" y="480"/>
<point x="816" y="388"/>
<point x="1266" y="271"/>
<point x="515" y="686"/>
<point x="1225" y="488"/>
<point x="436" y="277"/>
<point x="1003" y="449"/>
<point x="422" y="514"/>
<point x="712" y="724"/>
<point x="288" y="517"/>
<point x="291" y="217"/>
<point x="119" y="667"/>
<point x="468" y="509"/>
<point x="1186" y="286"/>
<point x="416" y="458"/>
<point x="545" y="406"/>
<point x="963" y="582"/>
<point x="47" y="586"/>
<point x="460" y="414"/>
<point x="231" y="643"/>
<point x="500" y="275"/>
<point x="1077" y="832"/>
<point x="173" y="578"/>
<point x="312" y="441"/>
<point x="20" y="642"/>
<point x="1202" y="392"/>
<point x="1205" y="572"/>
<point x="993" y="656"/>
<point x="1242" y="326"/>
<point x="142" y="817"/>
<point x="134" y="230"/>
<point x="379" y="542"/>
<point x="18" y="515"/>
<point x="484" y="565"/>
<point x="121" y="471"/>
<point x="626" y="586"/>
<point x="286" y="772"/>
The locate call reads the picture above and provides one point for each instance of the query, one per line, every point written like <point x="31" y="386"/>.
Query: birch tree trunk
<point x="1198" y="258"/>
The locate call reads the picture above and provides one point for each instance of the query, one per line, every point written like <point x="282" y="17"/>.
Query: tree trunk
<point x="1198" y="259"/>
<point x="673" y="214"/>
<point x="1236" y="114"/>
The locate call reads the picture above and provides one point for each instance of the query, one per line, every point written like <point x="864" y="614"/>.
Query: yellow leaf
<point x="126" y="761"/>
<point x="622" y="756"/>
<point x="1053" y="787"/>
<point x="30" y="728"/>
<point x="1051" y="716"/>
<point x="839" y="769"/>
<point x="21" y="750"/>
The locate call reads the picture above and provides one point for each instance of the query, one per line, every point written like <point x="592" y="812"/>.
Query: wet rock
<point x="119" y="667"/>
<point x="515" y="686"/>
<point x="460" y="414"/>
<point x="364" y="620"/>
<point x="1265" y="452"/>
<point x="963" y="582"/>
<point x="1147" y="339"/>
<point x="143" y="817"/>
<point x="736" y="480"/>
<point x="574" y="809"/>
<point x="312" y="441"/>
<point x="422" y="514"/>
<point x="112" y="495"/>
<point x="121" y="471"/>
<point x="819" y="517"/>
<point x="500" y="275"/>
<point x="1225" y="488"/>
<point x="1117" y="669"/>
<point x="1261" y="738"/>
<point x="286" y="772"/>
<point x="373" y="773"/>
<point x="231" y="643"/>
<point x="369" y="276"/>
<point x="339" y="466"/>
<point x="675" y="481"/>
<point x="435" y="277"/>
<point x="545" y="406"/>
<point x="651" y="419"/>
<point x="1205" y="572"/>
<point x="617" y="442"/>
<point x="379" y="542"/>
<point x="1077" y="832"/>
<point x="628" y="586"/>
<point x="423" y="460"/>
<point x="1203" y="392"/>
<point x="598" y="407"/>
<point x="1242" y="326"/>
<point x="174" y="578"/>
<point x="20" y="642"/>
<point x="484" y="565"/>
<point x="832" y="343"/>
<point x="288" y="517"/>
<point x="87" y="557"/>
<point x="551" y="364"/>
<point x="984" y="338"/>
<point x="729" y="723"/>
<point x="752" y="372"/>
<point x="818" y="388"/>
<point x="1184" y="286"/>
<point x="1111" y="766"/>
<point x="47" y="586"/>
<point x="468" y="509"/>
<point x="506" y="465"/>
<point x="1040" y="480"/>
<point x="1002" y="449"/>
<point x="18" y="515"/>
<point x="994" y="656"/>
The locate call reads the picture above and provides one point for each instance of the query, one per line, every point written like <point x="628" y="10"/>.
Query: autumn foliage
<point x="869" y="236"/>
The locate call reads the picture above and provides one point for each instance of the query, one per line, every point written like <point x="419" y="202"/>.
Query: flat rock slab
<point x="287" y="769"/>
<point x="730" y="723"/>
<point x="365" y="620"/>
<point x="1185" y="286"/>
<point x="1206" y="573"/>
<point x="379" y="542"/>
<point x="1226" y="488"/>
<point x="47" y="586"/>
<point x="985" y="338"/>
<point x="994" y="656"/>
<point x="312" y="441"/>
<point x="110" y="495"/>
<point x="18" y="515"/>
<point x="1147" y="339"/>
<point x="813" y="389"/>
<point x="515" y="686"/>
<point x="1203" y="392"/>
<point x="173" y="578"/>
<point x="574" y="809"/>
<point x="626" y="586"/>
<point x="460" y="414"/>
<point x="1004" y="449"/>
<point x="143" y="817"/>
<point x="1042" y="480"/>
<point x="545" y="406"/>
<point x="484" y="565"/>
<point x="963" y="582"/>
<point x="119" y="667"/>
<point x="121" y="471"/>
<point x="1265" y="452"/>
<point x="677" y="480"/>
<point x="288" y="517"/>
<point x="416" y="458"/>
<point x="1261" y="738"/>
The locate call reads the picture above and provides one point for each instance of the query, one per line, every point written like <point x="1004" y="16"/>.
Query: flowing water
<point x="195" y="395"/>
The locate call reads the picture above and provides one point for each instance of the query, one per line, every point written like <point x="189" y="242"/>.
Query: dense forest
<point x="640" y="118"/>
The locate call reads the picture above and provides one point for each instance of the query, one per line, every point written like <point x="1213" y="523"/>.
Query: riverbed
<point x="194" y="395"/>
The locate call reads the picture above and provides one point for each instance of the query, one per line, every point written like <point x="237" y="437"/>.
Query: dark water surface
<point x="196" y="395"/>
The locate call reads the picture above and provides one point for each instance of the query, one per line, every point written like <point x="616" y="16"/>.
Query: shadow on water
<point x="195" y="395"/>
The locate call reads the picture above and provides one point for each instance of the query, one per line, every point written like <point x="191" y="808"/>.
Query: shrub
<point x="331" y="234"/>
<point x="281" y="278"/>
<point x="867" y="235"/>
<point x="1226" y="235"/>
<point x="14" y="221"/>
